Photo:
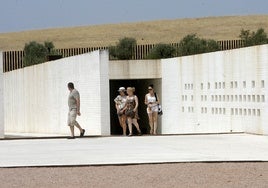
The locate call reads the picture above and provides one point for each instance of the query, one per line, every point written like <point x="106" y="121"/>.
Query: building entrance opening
<point x="141" y="86"/>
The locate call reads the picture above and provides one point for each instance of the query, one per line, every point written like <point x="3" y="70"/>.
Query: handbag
<point x="130" y="113"/>
<point x="160" y="112"/>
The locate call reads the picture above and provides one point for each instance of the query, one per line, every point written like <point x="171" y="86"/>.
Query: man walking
<point x="74" y="110"/>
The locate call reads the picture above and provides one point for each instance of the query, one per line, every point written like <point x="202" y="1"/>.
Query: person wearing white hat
<point x="120" y="102"/>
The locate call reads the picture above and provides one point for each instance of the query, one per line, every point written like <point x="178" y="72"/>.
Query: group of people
<point x="126" y="104"/>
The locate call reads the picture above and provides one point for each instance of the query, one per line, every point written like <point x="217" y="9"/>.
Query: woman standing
<point x="152" y="108"/>
<point x="131" y="110"/>
<point x="120" y="102"/>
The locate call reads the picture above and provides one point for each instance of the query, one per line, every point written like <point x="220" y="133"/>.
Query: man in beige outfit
<point x="74" y="110"/>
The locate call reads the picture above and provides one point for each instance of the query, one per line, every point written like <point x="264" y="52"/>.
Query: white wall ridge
<point x="2" y="121"/>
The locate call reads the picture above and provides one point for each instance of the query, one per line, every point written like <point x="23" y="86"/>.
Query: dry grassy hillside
<point x="218" y="28"/>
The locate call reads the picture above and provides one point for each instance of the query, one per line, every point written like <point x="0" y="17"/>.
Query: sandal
<point x="82" y="133"/>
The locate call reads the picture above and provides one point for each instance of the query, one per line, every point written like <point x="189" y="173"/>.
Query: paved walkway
<point x="133" y="150"/>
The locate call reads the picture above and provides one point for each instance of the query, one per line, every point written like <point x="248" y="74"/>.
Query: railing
<point x="13" y="60"/>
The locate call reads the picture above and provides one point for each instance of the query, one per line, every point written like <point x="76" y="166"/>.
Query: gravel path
<point x="150" y="175"/>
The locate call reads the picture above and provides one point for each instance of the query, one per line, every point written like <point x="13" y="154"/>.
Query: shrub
<point x="36" y="53"/>
<point x="162" y="51"/>
<point x="253" y="38"/>
<point x="191" y="44"/>
<point x="124" y="49"/>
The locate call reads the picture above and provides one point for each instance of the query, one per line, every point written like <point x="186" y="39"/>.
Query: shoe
<point x="139" y="133"/>
<point x="71" y="137"/>
<point x="130" y="135"/>
<point x="82" y="133"/>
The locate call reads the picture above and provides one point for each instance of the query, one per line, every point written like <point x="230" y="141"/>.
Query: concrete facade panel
<point x="135" y="69"/>
<point x="216" y="92"/>
<point x="1" y="97"/>
<point x="36" y="96"/>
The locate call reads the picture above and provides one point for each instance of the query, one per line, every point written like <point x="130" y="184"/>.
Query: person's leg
<point x="154" y="119"/>
<point x="135" y="122"/>
<point x="129" y="122"/>
<point x="72" y="130"/>
<point x="123" y="124"/>
<point x="76" y="124"/>
<point x="82" y="131"/>
<point x="150" y="117"/>
<point x="69" y="122"/>
<point x="73" y="122"/>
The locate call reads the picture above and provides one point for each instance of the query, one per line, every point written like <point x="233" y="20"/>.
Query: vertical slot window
<point x="253" y="84"/>
<point x="262" y="84"/>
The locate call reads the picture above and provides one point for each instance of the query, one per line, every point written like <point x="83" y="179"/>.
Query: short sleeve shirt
<point x="121" y="101"/>
<point x="73" y="97"/>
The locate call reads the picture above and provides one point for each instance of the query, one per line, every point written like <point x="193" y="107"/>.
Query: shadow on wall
<point x="141" y="90"/>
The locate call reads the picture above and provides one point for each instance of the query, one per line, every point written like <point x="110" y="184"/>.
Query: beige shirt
<point x="73" y="97"/>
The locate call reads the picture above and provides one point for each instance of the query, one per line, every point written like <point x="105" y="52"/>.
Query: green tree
<point x="112" y="52"/>
<point x="162" y="51"/>
<point x="253" y="38"/>
<point x="35" y="53"/>
<point x="191" y="44"/>
<point x="124" y="49"/>
<point x="50" y="47"/>
<point x="212" y="45"/>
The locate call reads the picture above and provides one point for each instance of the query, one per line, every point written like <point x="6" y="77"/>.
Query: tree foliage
<point x="253" y="38"/>
<point x="124" y="49"/>
<point x="36" y="53"/>
<point x="191" y="44"/>
<point x="162" y="51"/>
<point x="50" y="47"/>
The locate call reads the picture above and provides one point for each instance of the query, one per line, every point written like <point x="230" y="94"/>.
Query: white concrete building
<point x="216" y="92"/>
<point x="1" y="97"/>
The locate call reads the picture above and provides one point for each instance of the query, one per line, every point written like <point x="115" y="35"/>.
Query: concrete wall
<point x="135" y="69"/>
<point x="218" y="92"/>
<point x="1" y="97"/>
<point x="36" y="96"/>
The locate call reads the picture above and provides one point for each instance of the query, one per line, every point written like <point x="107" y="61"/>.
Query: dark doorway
<point x="141" y="90"/>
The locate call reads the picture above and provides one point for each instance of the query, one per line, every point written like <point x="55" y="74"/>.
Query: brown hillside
<point x="165" y="31"/>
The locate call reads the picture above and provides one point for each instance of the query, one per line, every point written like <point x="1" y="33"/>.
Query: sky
<point x="21" y="15"/>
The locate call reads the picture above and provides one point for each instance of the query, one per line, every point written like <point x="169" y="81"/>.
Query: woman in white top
<point x="152" y="108"/>
<point x="120" y="102"/>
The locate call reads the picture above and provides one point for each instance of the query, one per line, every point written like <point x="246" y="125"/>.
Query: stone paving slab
<point x="133" y="150"/>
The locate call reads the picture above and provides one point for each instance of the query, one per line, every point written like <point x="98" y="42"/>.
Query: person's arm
<point x="78" y="106"/>
<point x="116" y="104"/>
<point x="125" y="107"/>
<point x="76" y="95"/>
<point x="137" y="103"/>
<point x="146" y="100"/>
<point x="158" y="101"/>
